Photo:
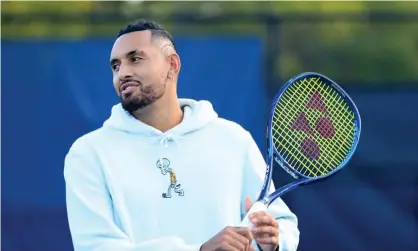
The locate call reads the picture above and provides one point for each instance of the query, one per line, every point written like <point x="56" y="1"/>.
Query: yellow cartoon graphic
<point x="164" y="165"/>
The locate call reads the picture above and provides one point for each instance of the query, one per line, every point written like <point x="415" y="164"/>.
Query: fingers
<point x="227" y="246"/>
<point x="232" y="243"/>
<point x="264" y="230"/>
<point x="267" y="240"/>
<point x="245" y="232"/>
<point x="263" y="219"/>
<point x="238" y="238"/>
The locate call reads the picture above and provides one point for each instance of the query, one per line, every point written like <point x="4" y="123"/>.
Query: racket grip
<point x="256" y="207"/>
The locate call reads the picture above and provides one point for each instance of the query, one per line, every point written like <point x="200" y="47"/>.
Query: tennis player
<point x="163" y="173"/>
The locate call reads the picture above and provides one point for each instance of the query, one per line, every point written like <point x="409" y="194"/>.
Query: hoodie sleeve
<point x="253" y="180"/>
<point x="90" y="214"/>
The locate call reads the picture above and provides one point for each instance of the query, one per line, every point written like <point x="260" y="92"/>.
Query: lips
<point x="127" y="84"/>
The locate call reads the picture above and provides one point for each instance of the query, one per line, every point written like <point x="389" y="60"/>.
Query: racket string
<point x="318" y="86"/>
<point x="292" y="162"/>
<point x="338" y="117"/>
<point x="296" y="158"/>
<point x="306" y="162"/>
<point x="346" y="131"/>
<point x="348" y="134"/>
<point x="338" y="109"/>
<point x="322" y="92"/>
<point x="320" y="169"/>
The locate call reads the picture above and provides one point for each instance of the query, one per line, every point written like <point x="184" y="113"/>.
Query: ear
<point x="175" y="65"/>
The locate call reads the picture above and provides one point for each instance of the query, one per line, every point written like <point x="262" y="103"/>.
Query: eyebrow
<point x="128" y="54"/>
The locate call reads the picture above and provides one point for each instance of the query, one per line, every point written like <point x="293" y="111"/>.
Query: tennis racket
<point x="312" y="132"/>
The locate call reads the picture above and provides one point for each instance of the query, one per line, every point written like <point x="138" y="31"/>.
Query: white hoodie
<point x="130" y="187"/>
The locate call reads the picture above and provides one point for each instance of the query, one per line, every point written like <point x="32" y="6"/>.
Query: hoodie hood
<point x="197" y="114"/>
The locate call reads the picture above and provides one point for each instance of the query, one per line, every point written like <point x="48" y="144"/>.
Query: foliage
<point x="346" y="49"/>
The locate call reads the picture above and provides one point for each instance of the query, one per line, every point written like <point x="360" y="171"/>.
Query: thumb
<point x="247" y="204"/>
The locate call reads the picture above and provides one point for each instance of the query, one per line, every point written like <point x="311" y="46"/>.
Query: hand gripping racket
<point x="313" y="130"/>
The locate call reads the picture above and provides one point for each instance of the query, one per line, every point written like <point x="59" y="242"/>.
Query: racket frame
<point x="263" y="201"/>
<point x="273" y="154"/>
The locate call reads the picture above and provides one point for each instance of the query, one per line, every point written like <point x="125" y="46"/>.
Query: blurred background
<point x="57" y="86"/>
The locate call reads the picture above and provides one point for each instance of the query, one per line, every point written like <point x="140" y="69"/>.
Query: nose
<point x="125" y="71"/>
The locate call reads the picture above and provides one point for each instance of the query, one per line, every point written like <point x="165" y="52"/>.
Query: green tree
<point x="350" y="50"/>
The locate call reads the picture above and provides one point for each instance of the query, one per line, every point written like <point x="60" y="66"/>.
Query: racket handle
<point x="256" y="207"/>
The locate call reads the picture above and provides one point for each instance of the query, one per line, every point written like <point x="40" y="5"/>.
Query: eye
<point x="136" y="59"/>
<point x="115" y="67"/>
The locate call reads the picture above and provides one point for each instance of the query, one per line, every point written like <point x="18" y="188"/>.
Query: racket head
<point x="301" y="119"/>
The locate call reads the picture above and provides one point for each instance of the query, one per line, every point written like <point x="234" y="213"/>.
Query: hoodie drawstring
<point x="165" y="141"/>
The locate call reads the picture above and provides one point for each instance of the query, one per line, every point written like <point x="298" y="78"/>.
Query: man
<point x="163" y="173"/>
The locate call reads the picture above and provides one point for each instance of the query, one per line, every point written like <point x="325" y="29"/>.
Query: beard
<point x="146" y="96"/>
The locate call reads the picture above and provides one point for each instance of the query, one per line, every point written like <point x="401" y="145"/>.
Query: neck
<point x="162" y="115"/>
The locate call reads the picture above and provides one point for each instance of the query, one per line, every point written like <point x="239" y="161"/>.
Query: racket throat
<point x="285" y="189"/>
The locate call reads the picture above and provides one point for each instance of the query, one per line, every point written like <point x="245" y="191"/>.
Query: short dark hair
<point x="157" y="31"/>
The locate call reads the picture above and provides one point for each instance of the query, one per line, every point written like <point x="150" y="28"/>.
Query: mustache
<point x="124" y="81"/>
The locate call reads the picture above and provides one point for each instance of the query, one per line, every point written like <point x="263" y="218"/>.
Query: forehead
<point x="138" y="40"/>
